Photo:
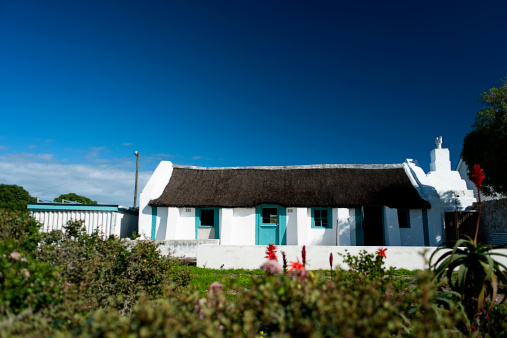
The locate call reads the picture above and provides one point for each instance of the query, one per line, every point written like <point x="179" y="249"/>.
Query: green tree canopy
<point x="14" y="197"/>
<point x="486" y="143"/>
<point x="74" y="197"/>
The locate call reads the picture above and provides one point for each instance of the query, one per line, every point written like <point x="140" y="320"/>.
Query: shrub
<point x="19" y="228"/>
<point x="25" y="283"/>
<point x="107" y="269"/>
<point x="353" y="304"/>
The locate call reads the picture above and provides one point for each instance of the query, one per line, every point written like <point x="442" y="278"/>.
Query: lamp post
<point x="137" y="171"/>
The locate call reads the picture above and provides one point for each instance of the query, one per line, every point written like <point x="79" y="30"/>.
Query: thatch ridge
<point x="304" y="186"/>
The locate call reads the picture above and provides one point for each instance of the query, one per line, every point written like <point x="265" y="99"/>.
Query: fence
<point x="460" y="225"/>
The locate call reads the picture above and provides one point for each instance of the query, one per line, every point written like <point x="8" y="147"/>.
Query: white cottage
<point x="363" y="205"/>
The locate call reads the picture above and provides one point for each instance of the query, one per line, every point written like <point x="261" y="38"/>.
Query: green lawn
<point x="203" y="277"/>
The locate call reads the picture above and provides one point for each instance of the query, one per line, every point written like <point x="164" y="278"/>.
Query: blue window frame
<point x="207" y="218"/>
<point x="321" y="218"/>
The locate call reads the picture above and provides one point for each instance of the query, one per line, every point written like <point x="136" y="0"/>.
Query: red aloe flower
<point x="381" y="252"/>
<point x="303" y="254"/>
<point x="295" y="266"/>
<point x="477" y="175"/>
<point x="271" y="252"/>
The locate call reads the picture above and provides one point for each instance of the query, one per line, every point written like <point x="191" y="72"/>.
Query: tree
<point x="75" y="198"/>
<point x="486" y="143"/>
<point x="14" y="197"/>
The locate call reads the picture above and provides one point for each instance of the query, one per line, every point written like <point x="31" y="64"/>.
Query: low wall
<point x="493" y="218"/>
<point x="252" y="256"/>
<point x="184" y="248"/>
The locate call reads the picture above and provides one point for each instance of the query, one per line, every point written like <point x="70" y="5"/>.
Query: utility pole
<point x="137" y="172"/>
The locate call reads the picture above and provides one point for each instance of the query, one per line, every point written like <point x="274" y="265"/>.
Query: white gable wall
<point x="153" y="189"/>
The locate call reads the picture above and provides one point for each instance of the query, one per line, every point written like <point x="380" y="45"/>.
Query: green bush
<point x="283" y="305"/>
<point x="19" y="228"/>
<point x="25" y="283"/>
<point x="108" y="271"/>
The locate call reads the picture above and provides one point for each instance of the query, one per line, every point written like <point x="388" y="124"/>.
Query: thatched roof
<point x="302" y="186"/>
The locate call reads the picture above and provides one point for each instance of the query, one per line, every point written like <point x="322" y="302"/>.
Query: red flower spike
<point x="284" y="261"/>
<point x="331" y="260"/>
<point x="296" y="266"/>
<point x="271" y="252"/>
<point x="303" y="254"/>
<point x="477" y="175"/>
<point x="381" y="252"/>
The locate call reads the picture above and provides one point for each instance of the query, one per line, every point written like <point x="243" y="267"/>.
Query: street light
<point x="137" y="171"/>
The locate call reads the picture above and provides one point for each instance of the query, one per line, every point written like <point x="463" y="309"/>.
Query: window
<point x="207" y="225"/>
<point x="403" y="218"/>
<point x="269" y="215"/>
<point x="207" y="218"/>
<point x="321" y="218"/>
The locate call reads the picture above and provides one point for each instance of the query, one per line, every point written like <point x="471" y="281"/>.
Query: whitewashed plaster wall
<point x="253" y="256"/>
<point x="413" y="236"/>
<point x="186" y="224"/>
<point x="161" y="230"/>
<point x="320" y="236"/>
<point x="152" y="190"/>
<point x="391" y="227"/>
<point x="346" y="227"/>
<point x="244" y="226"/>
<point x="442" y="188"/>
<point x="292" y="230"/>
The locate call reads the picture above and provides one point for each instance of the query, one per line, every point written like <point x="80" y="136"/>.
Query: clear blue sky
<point x="83" y="84"/>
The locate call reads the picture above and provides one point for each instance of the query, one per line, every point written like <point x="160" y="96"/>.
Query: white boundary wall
<point x="253" y="256"/>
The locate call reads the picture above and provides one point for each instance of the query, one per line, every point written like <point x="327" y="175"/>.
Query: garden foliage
<point x="76" y="284"/>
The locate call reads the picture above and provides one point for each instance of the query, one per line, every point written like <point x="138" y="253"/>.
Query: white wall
<point x="320" y="236"/>
<point x="252" y="256"/>
<point x="292" y="226"/>
<point x="345" y="227"/>
<point x="186" y="224"/>
<point x="391" y="227"/>
<point x="152" y="190"/>
<point x="243" y="227"/>
<point x="413" y="236"/>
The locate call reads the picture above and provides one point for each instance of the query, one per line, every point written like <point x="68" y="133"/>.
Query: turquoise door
<point x="271" y="225"/>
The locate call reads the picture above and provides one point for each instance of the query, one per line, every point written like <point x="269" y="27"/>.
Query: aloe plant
<point x="479" y="275"/>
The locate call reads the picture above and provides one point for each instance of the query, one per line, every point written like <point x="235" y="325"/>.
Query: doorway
<point x="373" y="226"/>
<point x="271" y="225"/>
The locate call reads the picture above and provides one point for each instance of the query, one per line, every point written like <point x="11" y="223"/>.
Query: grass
<point x="203" y="277"/>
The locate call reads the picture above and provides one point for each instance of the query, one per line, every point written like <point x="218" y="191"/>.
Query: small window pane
<point x="208" y="217"/>
<point x="269" y="215"/>
<point x="403" y="218"/>
<point x="320" y="218"/>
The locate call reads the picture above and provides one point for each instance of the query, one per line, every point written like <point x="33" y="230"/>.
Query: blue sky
<point x="83" y="84"/>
